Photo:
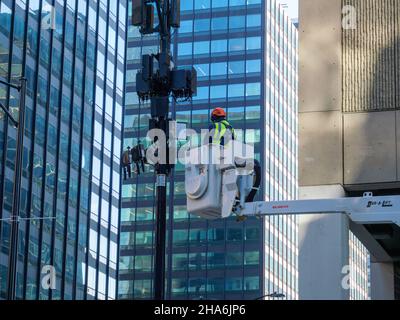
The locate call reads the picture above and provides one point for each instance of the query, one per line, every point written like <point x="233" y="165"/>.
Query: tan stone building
<point x="349" y="135"/>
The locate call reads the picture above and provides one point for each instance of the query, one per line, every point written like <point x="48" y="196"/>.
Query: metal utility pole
<point x="159" y="112"/>
<point x="20" y="125"/>
<point x="158" y="85"/>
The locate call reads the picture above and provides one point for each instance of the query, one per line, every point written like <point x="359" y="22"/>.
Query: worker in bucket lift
<point x="220" y="128"/>
<point x="221" y="132"/>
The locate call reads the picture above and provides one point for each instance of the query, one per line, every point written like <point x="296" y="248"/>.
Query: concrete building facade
<point x="349" y="119"/>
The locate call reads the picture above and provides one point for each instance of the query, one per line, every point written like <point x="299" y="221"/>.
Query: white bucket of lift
<point x="203" y="182"/>
<point x="216" y="179"/>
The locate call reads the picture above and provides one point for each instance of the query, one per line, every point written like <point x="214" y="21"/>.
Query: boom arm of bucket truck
<point x="218" y="189"/>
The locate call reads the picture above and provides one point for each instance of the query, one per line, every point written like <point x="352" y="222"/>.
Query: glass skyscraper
<point x="72" y="53"/>
<point x="359" y="279"/>
<point x="245" y="53"/>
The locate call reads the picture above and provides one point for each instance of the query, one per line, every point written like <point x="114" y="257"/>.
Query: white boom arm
<point x="364" y="210"/>
<point x="216" y="189"/>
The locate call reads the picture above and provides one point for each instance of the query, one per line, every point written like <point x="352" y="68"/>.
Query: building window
<point x="235" y="234"/>
<point x="233" y="284"/>
<point x="252" y="258"/>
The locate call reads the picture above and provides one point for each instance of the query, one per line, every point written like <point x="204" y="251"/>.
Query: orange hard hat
<point x="218" y="112"/>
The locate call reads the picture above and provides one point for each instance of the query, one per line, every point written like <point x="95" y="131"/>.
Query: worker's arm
<point x="211" y="129"/>
<point x="234" y="136"/>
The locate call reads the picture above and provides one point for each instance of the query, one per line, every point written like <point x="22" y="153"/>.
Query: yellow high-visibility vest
<point x="220" y="130"/>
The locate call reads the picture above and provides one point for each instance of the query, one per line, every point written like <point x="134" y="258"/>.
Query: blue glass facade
<point x="245" y="53"/>
<point x="73" y="56"/>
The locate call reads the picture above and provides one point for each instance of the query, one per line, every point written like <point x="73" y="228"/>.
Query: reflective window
<point x="234" y="234"/>
<point x="93" y="241"/>
<point x="215" y="260"/>
<point x="253" y="20"/>
<point x="186" y="25"/>
<point x="126" y="263"/>
<point x="236" y="67"/>
<point x="219" y="3"/>
<point x="179" y="262"/>
<point x="203" y="70"/>
<point x="202" y="93"/>
<point x="144" y="238"/>
<point x="133" y="53"/>
<point x="142" y="289"/>
<point x="234" y="259"/>
<point x="253" y="89"/>
<point x="143" y="263"/>
<point x="199" y="117"/>
<point x="218" y="69"/>
<point x="253" y="43"/>
<point x="197" y="261"/>
<point x="127" y="240"/>
<point x="233" y="284"/>
<point x="186" y="5"/>
<point x="237" y="22"/>
<point x="236" y="114"/>
<point x="217" y="92"/>
<point x="236" y="90"/>
<point x="180" y="213"/>
<point x="202" y="47"/>
<point x="252" y="258"/>
<point x="251" y="2"/>
<point x="215" y="285"/>
<point x="219" y="46"/>
<point x="215" y="235"/>
<point x="201" y="25"/>
<point x="197" y="235"/>
<point x="179" y="286"/>
<point x="201" y="4"/>
<point x="233" y="3"/>
<point x="180" y="236"/>
<point x="251" y="283"/>
<point x="253" y="66"/>
<point x="185" y="48"/>
<point x="237" y="44"/>
<point x="219" y="23"/>
<point x="252" y="233"/>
